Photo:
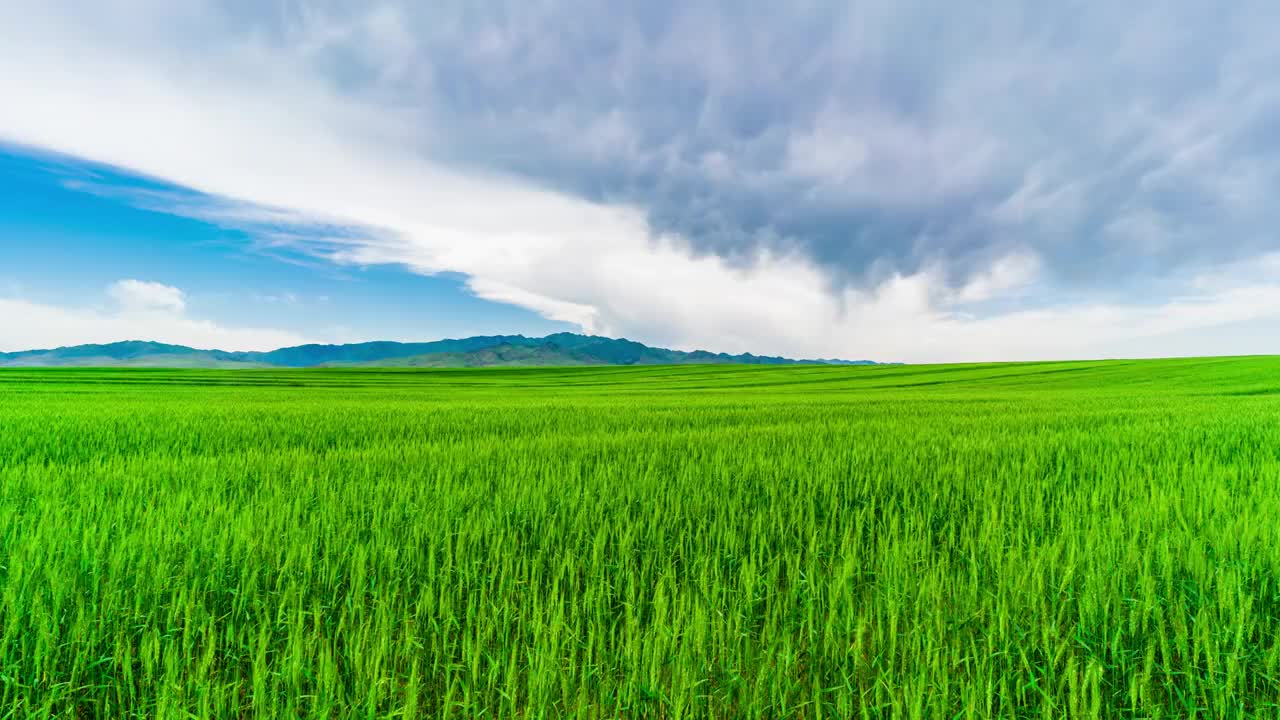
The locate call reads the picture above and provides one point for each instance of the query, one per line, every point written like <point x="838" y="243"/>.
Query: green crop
<point x="1028" y="540"/>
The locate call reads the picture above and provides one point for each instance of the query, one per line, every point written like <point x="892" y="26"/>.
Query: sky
<point x="897" y="180"/>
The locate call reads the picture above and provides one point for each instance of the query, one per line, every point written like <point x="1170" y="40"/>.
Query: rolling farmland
<point x="1091" y="539"/>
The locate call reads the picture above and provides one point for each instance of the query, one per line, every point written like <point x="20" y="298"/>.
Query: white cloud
<point x="253" y="123"/>
<point x="284" y="298"/>
<point x="1007" y="275"/>
<point x="783" y="305"/>
<point x="141" y="311"/>
<point x="139" y="295"/>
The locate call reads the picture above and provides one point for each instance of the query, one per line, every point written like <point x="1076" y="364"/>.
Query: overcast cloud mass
<point x="901" y="180"/>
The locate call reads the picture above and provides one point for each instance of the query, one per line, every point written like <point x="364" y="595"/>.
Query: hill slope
<point x="480" y="351"/>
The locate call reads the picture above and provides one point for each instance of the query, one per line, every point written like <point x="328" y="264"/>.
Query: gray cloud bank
<point x="1119" y="142"/>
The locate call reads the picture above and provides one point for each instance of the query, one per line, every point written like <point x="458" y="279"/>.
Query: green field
<point x="1059" y="540"/>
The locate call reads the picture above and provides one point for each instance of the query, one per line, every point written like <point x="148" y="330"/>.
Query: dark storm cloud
<point x="1118" y="142"/>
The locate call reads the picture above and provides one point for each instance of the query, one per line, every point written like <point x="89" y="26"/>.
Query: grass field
<point x="1057" y="540"/>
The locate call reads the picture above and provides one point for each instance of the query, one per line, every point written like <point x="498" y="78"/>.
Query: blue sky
<point x="69" y="231"/>
<point x="896" y="180"/>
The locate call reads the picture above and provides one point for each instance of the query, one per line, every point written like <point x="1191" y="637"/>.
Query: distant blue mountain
<point x="480" y="351"/>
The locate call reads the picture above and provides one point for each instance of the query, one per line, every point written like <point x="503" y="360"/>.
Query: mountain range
<point x="480" y="351"/>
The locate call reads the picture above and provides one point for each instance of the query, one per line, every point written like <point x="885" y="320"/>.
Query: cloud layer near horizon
<point x="138" y="310"/>
<point x="901" y="180"/>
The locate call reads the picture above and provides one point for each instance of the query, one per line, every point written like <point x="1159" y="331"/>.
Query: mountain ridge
<point x="477" y="351"/>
